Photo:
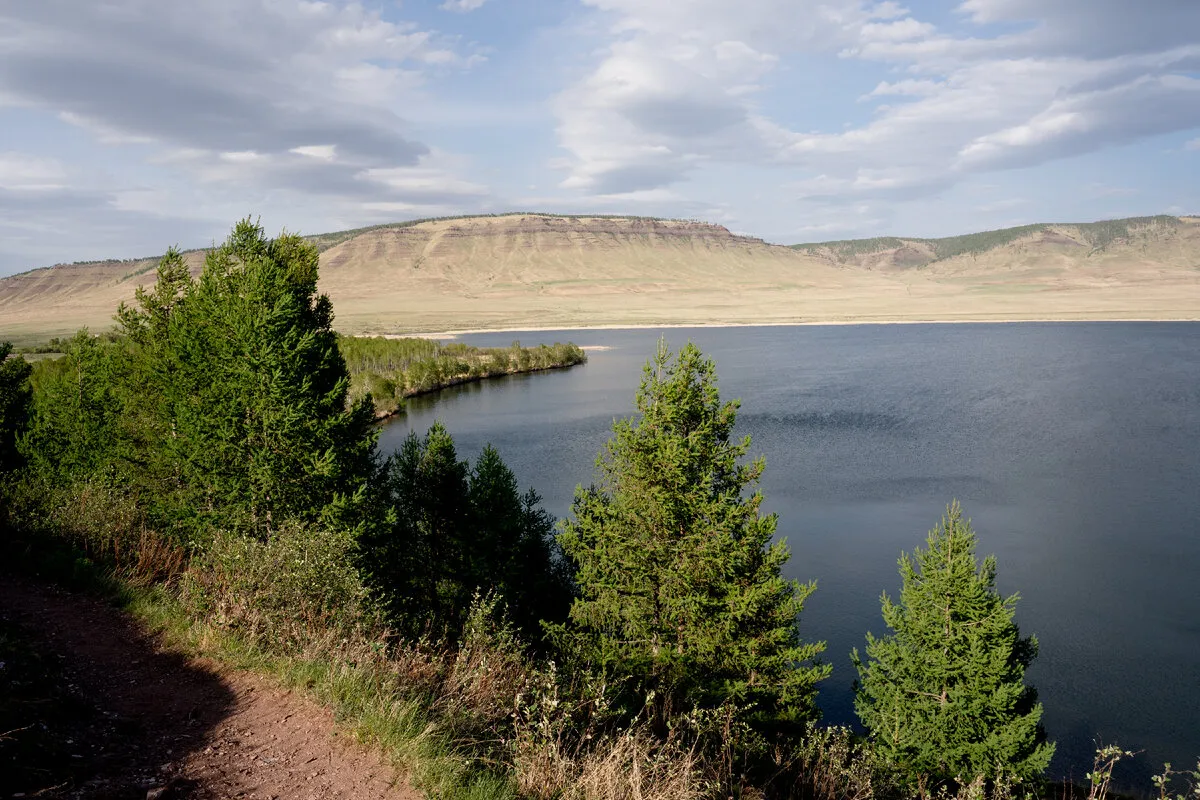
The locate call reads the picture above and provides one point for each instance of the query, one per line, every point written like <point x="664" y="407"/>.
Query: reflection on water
<point x="1074" y="447"/>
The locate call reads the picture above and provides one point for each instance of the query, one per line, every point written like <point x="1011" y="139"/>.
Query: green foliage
<point x="1101" y="234"/>
<point x="393" y="369"/>
<point x="1166" y="779"/>
<point x="16" y="400"/>
<point x="280" y="593"/>
<point x="944" y="695"/>
<point x="681" y="598"/>
<point x="77" y="429"/>
<point x="848" y="248"/>
<point x="974" y="243"/>
<point x="53" y="345"/>
<point x="241" y="404"/>
<point x="514" y="549"/>
<point x="450" y="530"/>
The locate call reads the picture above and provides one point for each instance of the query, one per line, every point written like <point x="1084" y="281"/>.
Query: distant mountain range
<point x="1086" y="239"/>
<point x="541" y="270"/>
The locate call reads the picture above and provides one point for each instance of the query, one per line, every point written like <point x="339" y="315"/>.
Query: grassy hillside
<point x="1094" y="235"/>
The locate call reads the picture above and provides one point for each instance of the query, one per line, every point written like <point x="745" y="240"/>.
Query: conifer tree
<point x="450" y="530"/>
<point x="242" y="399"/>
<point x="515" y="551"/>
<point x="77" y="428"/>
<point x="16" y="399"/>
<point x="944" y="695"/>
<point x="419" y="558"/>
<point x="681" y="598"/>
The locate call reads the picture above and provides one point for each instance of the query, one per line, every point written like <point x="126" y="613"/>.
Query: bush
<point x="285" y="593"/>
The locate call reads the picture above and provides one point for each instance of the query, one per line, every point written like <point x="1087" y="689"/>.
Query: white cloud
<point x="424" y="181"/>
<point x="905" y="88"/>
<point x="1194" y="144"/>
<point x="25" y="172"/>
<point x="284" y="107"/>
<point x="226" y="77"/>
<point x="666" y="99"/>
<point x="242" y="157"/>
<point x="322" y="152"/>
<point x="1003" y="205"/>
<point x="462" y="6"/>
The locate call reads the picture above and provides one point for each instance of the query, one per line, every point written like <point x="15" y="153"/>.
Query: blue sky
<point x="130" y="125"/>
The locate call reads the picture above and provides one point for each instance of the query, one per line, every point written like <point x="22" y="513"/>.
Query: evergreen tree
<point x="419" y="558"/>
<point x="242" y="402"/>
<point x="451" y="530"/>
<point x="515" y="549"/>
<point x="76" y="431"/>
<point x="16" y="398"/>
<point x="944" y="695"/>
<point x="682" y="601"/>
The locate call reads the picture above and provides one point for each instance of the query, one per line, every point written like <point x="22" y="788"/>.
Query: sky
<point x="127" y="126"/>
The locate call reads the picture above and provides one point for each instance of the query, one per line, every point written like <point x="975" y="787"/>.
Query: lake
<point x="1074" y="447"/>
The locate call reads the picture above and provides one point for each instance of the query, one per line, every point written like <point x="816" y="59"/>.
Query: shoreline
<point x="383" y="416"/>
<point x="454" y="334"/>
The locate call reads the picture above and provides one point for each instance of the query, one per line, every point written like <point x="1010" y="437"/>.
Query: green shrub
<point x="286" y="592"/>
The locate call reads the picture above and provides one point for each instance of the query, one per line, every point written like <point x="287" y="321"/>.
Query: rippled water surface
<point x="1074" y="447"/>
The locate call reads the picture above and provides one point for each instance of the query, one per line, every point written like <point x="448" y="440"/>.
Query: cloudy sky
<point x="130" y="125"/>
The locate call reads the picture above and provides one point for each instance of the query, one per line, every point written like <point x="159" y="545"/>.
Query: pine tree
<point x="944" y="695"/>
<point x="450" y="531"/>
<point x="681" y="600"/>
<point x="77" y="429"/>
<point x="515" y="551"/>
<point x="241" y="407"/>
<point x="419" y="558"/>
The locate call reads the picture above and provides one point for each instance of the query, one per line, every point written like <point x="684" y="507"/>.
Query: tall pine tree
<point x="682" y="602"/>
<point x="242" y="403"/>
<point x="944" y="695"/>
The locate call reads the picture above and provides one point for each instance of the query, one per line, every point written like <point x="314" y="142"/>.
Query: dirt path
<point x="149" y="723"/>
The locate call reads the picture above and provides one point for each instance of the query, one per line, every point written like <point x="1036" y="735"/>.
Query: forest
<point x="216" y="461"/>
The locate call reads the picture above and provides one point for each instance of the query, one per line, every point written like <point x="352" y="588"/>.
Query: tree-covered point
<point x="390" y="370"/>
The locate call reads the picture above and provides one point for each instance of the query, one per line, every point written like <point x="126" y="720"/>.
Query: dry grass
<point x="635" y="766"/>
<point x="522" y="272"/>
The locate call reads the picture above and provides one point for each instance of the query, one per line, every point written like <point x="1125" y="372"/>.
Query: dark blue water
<point x="1074" y="447"/>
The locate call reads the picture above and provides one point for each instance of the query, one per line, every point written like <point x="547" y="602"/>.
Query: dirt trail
<point x="160" y="725"/>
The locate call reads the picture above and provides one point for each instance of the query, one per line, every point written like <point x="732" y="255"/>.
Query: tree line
<point x="214" y="449"/>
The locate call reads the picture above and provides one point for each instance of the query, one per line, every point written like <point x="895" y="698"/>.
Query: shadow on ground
<point x="89" y="705"/>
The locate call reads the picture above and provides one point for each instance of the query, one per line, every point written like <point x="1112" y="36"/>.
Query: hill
<point x="1093" y="237"/>
<point x="540" y="270"/>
